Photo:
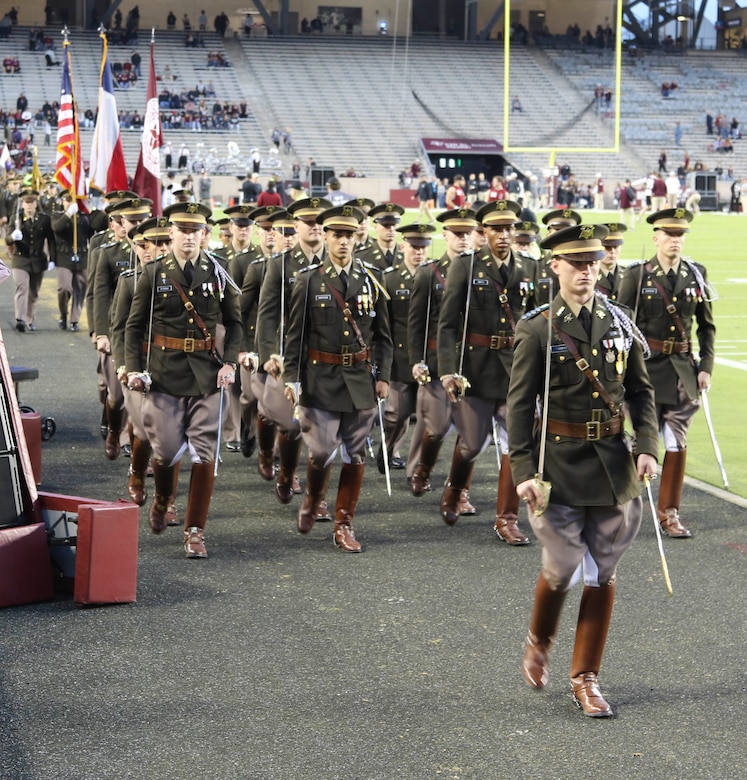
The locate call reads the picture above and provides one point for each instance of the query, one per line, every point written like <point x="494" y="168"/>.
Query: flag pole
<point x="74" y="157"/>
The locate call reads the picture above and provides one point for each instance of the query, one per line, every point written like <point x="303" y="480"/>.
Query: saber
<point x="384" y="450"/>
<point x="716" y="449"/>
<point x="664" y="568"/>
<point x="542" y="485"/>
<point x="220" y="429"/>
<point x="497" y="443"/>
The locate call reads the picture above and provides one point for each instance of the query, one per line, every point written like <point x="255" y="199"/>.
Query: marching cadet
<point x="113" y="260"/>
<point x="272" y="320"/>
<point x="610" y="273"/>
<point x="178" y="305"/>
<point x="433" y="406"/>
<point x="337" y="364"/>
<point x="593" y="511"/>
<point x="490" y="293"/>
<point x="9" y="206"/>
<point x="546" y="283"/>
<point x="49" y="200"/>
<point x="383" y="251"/>
<point x="251" y="284"/>
<point x="72" y="231"/>
<point x="398" y="282"/>
<point x="525" y="244"/>
<point x="669" y="294"/>
<point x="363" y="240"/>
<point x="150" y="241"/>
<point x="224" y="232"/>
<point x="33" y="230"/>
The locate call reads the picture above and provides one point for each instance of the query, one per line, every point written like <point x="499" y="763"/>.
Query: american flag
<point x="69" y="171"/>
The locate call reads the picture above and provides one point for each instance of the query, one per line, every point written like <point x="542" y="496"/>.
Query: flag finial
<point x="152" y="34"/>
<point x="65" y="34"/>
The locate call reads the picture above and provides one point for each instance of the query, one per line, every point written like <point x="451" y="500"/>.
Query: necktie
<point x="611" y="279"/>
<point x="672" y="276"/>
<point x="584" y="318"/>
<point x="344" y="279"/>
<point x="189" y="272"/>
<point x="503" y="270"/>
<point x="389" y="257"/>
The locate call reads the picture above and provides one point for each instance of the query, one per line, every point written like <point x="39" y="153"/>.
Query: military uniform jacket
<point x="113" y="261"/>
<point x="250" y="289"/>
<point x="486" y="367"/>
<point x="610" y="287"/>
<point x="28" y="253"/>
<point x="239" y="260"/>
<point x="546" y="285"/>
<point x="174" y="371"/>
<point x="582" y="472"/>
<point x="399" y="282"/>
<point x="317" y="318"/>
<point x="657" y="323"/>
<point x="429" y="282"/>
<point x="376" y="256"/>
<point x="279" y="281"/>
<point x="121" y="304"/>
<point x="63" y="228"/>
<point x="98" y="240"/>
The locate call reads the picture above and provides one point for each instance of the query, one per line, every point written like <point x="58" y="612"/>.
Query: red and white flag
<point x="147" y="181"/>
<point x="69" y="170"/>
<point x="107" y="165"/>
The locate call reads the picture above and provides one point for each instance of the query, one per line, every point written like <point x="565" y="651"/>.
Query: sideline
<point x="717" y="492"/>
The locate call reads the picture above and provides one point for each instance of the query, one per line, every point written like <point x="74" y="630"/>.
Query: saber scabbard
<point x="664" y="567"/>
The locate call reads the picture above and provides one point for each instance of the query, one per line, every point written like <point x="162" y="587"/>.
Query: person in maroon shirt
<point x="270" y="196"/>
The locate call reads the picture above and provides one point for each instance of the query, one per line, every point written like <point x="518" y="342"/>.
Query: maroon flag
<point x="147" y="181"/>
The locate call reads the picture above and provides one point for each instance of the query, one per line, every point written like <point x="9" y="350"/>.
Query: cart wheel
<point x="49" y="428"/>
<point x="26" y="409"/>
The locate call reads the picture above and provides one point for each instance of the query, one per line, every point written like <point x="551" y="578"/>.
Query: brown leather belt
<point x="339" y="359"/>
<point x="669" y="347"/>
<point x="591" y="431"/>
<point x="183" y="345"/>
<point x="491" y="342"/>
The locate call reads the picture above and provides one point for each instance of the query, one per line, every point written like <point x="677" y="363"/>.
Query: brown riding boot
<point x="266" y="431"/>
<point x="594" y="616"/>
<point x="670" y="493"/>
<point x="543" y="627"/>
<point x="198" y="502"/>
<point x="290" y="452"/>
<point x="172" y="517"/>
<point x="138" y="467"/>
<point x="112" y="445"/>
<point x="459" y="475"/>
<point x="163" y="480"/>
<point x="351" y="479"/>
<point x="420" y="482"/>
<point x="317" y="480"/>
<point x="506" y="517"/>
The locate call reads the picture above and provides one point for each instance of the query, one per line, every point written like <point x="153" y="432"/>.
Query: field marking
<point x="730" y="363"/>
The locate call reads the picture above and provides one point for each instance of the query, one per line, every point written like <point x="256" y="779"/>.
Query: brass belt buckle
<point x="593" y="430"/>
<point x="667" y="347"/>
<point x="347" y="359"/>
<point x="495" y="342"/>
<point x="189" y="345"/>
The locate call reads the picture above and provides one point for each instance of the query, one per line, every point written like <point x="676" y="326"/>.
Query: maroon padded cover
<point x="25" y="575"/>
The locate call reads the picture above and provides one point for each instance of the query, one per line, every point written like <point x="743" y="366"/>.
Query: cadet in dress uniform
<point x="72" y="231"/>
<point x="383" y="252"/>
<point x="250" y="287"/>
<point x="547" y="284"/>
<point x="181" y="300"/>
<point x="594" y="508"/>
<point x="433" y="405"/>
<point x="26" y="243"/>
<point x="526" y="234"/>
<point x="113" y="260"/>
<point x="670" y="294"/>
<point x="610" y="273"/>
<point x="272" y="319"/>
<point x="150" y="241"/>
<point x="491" y="290"/>
<point x="338" y="332"/>
<point x="399" y="281"/>
<point x="363" y="240"/>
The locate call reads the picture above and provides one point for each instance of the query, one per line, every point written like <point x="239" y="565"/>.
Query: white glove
<point x="17" y="235"/>
<point x="72" y="209"/>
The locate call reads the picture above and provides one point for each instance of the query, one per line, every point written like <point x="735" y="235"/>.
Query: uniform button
<point x="191" y="292"/>
<point x="191" y="320"/>
<point x="562" y="359"/>
<point x="346" y="333"/>
<point x="671" y="328"/>
<point x="595" y="394"/>
<point x="595" y="372"/>
<point x="674" y="297"/>
<point x="503" y="319"/>
<point x="557" y="438"/>
<point x="595" y="352"/>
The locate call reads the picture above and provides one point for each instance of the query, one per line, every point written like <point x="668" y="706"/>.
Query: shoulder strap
<point x="189" y="306"/>
<point x="348" y="315"/>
